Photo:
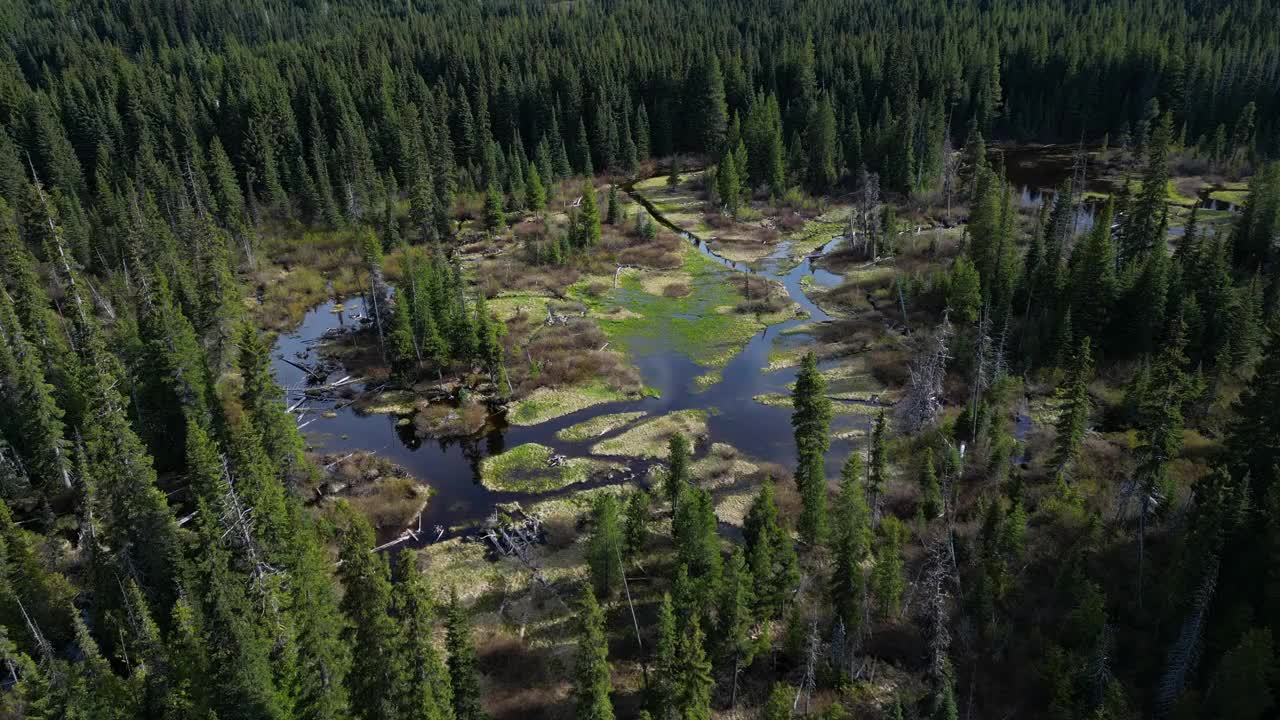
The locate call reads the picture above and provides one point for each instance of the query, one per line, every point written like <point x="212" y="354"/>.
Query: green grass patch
<point x="597" y="426"/>
<point x="1235" y="197"/>
<point x="527" y="468"/>
<point x="546" y="404"/>
<point x="649" y="438"/>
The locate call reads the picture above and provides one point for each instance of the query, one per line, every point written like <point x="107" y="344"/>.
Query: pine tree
<point x="592" y="684"/>
<point x="464" y="676"/>
<point x="662" y="691"/>
<point x="613" y="213"/>
<point x="733" y="612"/>
<point x="1074" y="417"/>
<point x="635" y="530"/>
<point x="641" y="128"/>
<point x="374" y="685"/>
<point x="35" y="422"/>
<point x="238" y="641"/>
<point x="878" y="476"/>
<point x="821" y="142"/>
<point x="692" y="700"/>
<point x="770" y="554"/>
<point x="728" y="186"/>
<point x="604" y="550"/>
<point x="780" y="702"/>
<point x="1093" y="277"/>
<point x="588" y="219"/>
<point x="712" y="121"/>
<point x="697" y="543"/>
<point x="886" y="578"/>
<point x="852" y="541"/>
<point x="930" y="490"/>
<point x="535" y="198"/>
<point x="811" y="422"/>
<point x="495" y="219"/>
<point x="262" y="399"/>
<point x="401" y="347"/>
<point x="1251" y="441"/>
<point x="677" y="477"/>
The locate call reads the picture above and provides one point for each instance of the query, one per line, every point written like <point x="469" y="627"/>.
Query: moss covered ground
<point x="597" y="426"/>
<point x="649" y="438"/>
<point x="528" y="468"/>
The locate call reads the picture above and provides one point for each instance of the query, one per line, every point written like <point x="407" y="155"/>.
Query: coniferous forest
<point x="672" y="360"/>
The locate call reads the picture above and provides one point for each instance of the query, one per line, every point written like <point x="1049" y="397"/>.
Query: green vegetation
<point x="597" y="426"/>
<point x="649" y="438"/>
<point x="546" y="404"/>
<point x="531" y="468"/>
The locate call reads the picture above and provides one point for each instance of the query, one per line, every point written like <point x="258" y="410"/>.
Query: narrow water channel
<point x="451" y="467"/>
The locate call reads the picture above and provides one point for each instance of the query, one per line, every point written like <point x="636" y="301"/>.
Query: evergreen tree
<point x="733" y="612"/>
<point x="677" y="477"/>
<point x="613" y="213"/>
<point x="464" y="676"/>
<point x="375" y="686"/>
<point x="662" y="691"/>
<point x="692" y="699"/>
<point x="1074" y="417"/>
<point x="780" y="702"/>
<point x="263" y="402"/>
<point x="852" y="542"/>
<point x="712" y="120"/>
<point x="591" y="674"/>
<point x="930" y="491"/>
<point x="425" y="691"/>
<point x="886" y="578"/>
<point x="811" y="421"/>
<point x="878" y="476"/>
<point x="635" y="530"/>
<point x="770" y="554"/>
<point x="495" y="218"/>
<point x="604" y="550"/>
<point x="821" y="142"/>
<point x="535" y="197"/>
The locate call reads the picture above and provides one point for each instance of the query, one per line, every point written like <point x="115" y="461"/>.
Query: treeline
<point x="242" y="111"/>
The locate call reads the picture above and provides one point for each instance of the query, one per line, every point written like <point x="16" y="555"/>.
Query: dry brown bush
<point x="675" y="290"/>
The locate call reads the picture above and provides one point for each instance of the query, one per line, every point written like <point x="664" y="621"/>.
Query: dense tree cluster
<point x="156" y="557"/>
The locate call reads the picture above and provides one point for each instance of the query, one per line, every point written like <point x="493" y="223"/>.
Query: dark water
<point x="451" y="467"/>
<point x="1035" y="173"/>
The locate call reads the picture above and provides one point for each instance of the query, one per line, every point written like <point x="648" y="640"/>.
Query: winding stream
<point x="451" y="467"/>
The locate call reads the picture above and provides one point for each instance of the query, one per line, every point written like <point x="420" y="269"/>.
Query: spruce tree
<point x="635" y="530"/>
<point x="464" y="676"/>
<point x="35" y="422"/>
<point x="378" y="673"/>
<point x="263" y="402"/>
<point x="886" y="578"/>
<point x="588" y="219"/>
<point x="535" y="198"/>
<point x="613" y="213"/>
<point x="930" y="489"/>
<point x="811" y="421"/>
<point x="495" y="219"/>
<point x="662" y="691"/>
<point x="734" y="612"/>
<point x="604" y="549"/>
<point x="1074" y="416"/>
<point x="592" y="683"/>
<point x="692" y="700"/>
<point x="770" y="554"/>
<point x="851" y="542"/>
<point x="677" y="477"/>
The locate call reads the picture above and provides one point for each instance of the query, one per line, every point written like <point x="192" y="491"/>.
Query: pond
<point x="451" y="467"/>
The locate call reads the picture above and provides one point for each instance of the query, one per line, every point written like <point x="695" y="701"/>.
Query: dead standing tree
<point x="922" y="402"/>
